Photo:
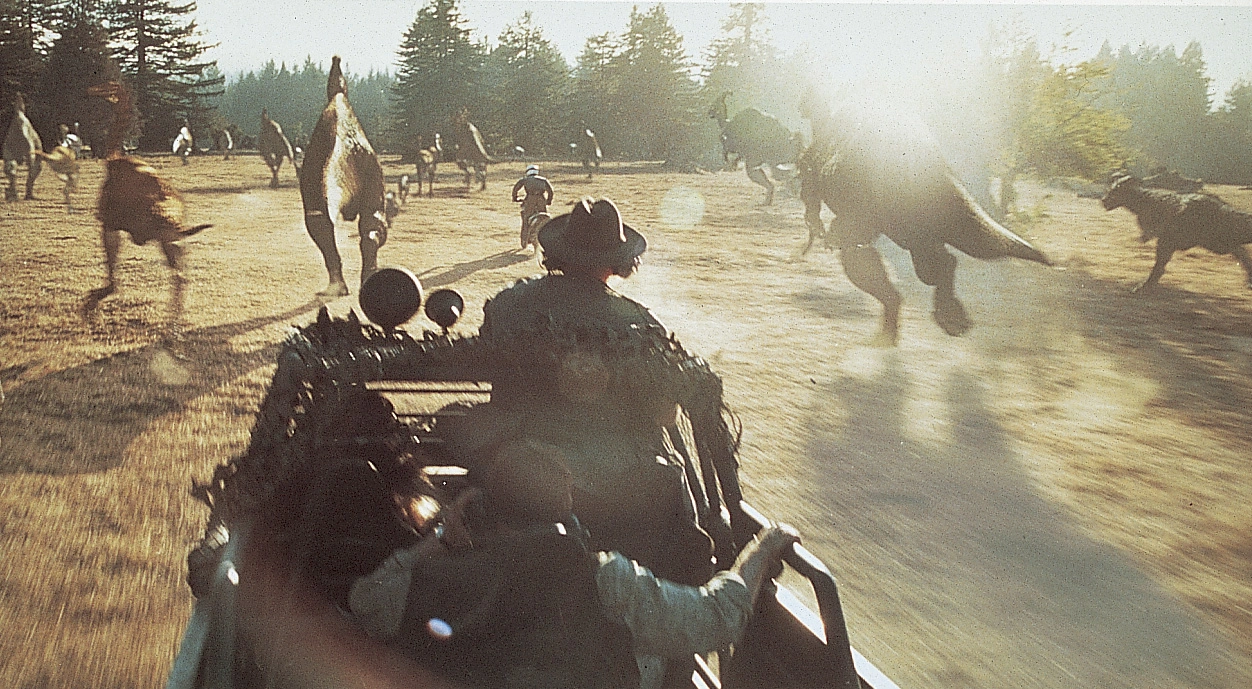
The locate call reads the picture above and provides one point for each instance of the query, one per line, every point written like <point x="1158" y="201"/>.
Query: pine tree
<point x="439" y="72"/>
<point x="156" y="47"/>
<point x="1051" y="116"/>
<point x="78" y="59"/>
<point x="593" y="92"/>
<point x="743" y="60"/>
<point x="295" y="99"/>
<point x="528" y="82"/>
<point x="1166" y="97"/>
<point x="744" y="63"/>
<point x="1230" y="142"/>
<point x="656" y="98"/>
<point x="24" y="27"/>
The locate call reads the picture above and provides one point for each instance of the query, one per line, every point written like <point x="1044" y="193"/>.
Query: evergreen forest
<point x="1020" y="112"/>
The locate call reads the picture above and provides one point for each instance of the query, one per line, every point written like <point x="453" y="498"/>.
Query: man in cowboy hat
<point x="629" y="486"/>
<point x="539" y="194"/>
<point x="581" y="251"/>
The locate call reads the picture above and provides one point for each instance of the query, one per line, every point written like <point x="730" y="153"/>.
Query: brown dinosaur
<point x="471" y="155"/>
<point x="135" y="200"/>
<point x="759" y="140"/>
<point x="20" y="144"/>
<point x="341" y="175"/>
<point x="1181" y="221"/>
<point x="274" y="147"/>
<point x="878" y="184"/>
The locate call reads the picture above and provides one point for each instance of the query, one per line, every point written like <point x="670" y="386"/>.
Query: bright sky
<point x="898" y="42"/>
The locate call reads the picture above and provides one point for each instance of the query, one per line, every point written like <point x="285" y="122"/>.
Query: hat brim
<point x="553" y="239"/>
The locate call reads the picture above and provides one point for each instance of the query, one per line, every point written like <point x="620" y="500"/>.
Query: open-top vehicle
<point x="260" y="619"/>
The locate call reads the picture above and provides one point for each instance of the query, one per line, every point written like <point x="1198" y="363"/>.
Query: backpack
<point x="524" y="613"/>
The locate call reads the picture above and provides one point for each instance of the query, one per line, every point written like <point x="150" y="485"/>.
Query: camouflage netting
<point x="321" y="362"/>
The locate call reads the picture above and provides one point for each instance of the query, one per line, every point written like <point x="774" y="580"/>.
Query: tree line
<point x="53" y="50"/>
<point x="1019" y="112"/>
<point x="1123" y="109"/>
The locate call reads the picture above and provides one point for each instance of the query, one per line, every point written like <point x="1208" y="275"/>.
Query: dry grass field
<point x="1057" y="499"/>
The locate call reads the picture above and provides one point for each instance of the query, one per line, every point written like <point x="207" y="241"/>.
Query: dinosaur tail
<point x="984" y="238"/>
<point x="1240" y="224"/>
<point x="193" y="230"/>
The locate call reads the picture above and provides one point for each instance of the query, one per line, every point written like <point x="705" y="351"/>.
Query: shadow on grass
<point x="1196" y="345"/>
<point x="82" y="419"/>
<point x="459" y="271"/>
<point x="960" y="529"/>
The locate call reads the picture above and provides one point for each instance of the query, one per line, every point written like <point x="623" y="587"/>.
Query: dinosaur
<point x="759" y="140"/>
<point x="899" y="186"/>
<point x="135" y="200"/>
<point x="471" y="155"/>
<point x="341" y="175"/>
<point x="184" y="144"/>
<point x="1181" y="221"/>
<point x="427" y="162"/>
<point x="64" y="162"/>
<point x="20" y="144"/>
<point x="274" y="147"/>
<point x="588" y="149"/>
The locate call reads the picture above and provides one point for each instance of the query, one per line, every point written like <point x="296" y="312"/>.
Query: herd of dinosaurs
<point x="878" y="182"/>
<point x="874" y="182"/>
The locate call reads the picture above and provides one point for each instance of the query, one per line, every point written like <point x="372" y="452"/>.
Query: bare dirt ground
<point x="1057" y="499"/>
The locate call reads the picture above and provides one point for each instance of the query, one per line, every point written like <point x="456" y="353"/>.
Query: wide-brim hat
<point x="592" y="234"/>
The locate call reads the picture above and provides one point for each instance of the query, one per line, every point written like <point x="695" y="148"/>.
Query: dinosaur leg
<point x="1241" y="253"/>
<point x="373" y="235"/>
<point x="757" y="174"/>
<point x="1164" y="252"/>
<point x="10" y="171"/>
<point x="32" y="174"/>
<point x="937" y="268"/>
<point x="865" y="269"/>
<point x="322" y="230"/>
<point x="812" y="220"/>
<point x="173" y="259"/>
<point x="112" y="240"/>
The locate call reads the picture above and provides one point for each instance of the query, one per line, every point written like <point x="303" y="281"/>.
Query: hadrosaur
<point x="902" y="188"/>
<point x="341" y="175"/>
<point x="759" y="140"/>
<point x="134" y="199"/>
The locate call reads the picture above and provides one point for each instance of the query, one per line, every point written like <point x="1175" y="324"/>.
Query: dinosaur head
<point x="1123" y="187"/>
<point x="335" y="82"/>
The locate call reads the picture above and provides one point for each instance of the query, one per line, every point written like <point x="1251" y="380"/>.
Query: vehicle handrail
<point x="829" y="607"/>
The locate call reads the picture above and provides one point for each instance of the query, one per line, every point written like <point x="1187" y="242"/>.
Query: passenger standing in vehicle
<point x="539" y="195"/>
<point x="629" y="484"/>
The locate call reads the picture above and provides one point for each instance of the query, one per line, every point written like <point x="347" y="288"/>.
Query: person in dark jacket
<point x="539" y="195"/>
<point x="543" y="609"/>
<point x="629" y="483"/>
